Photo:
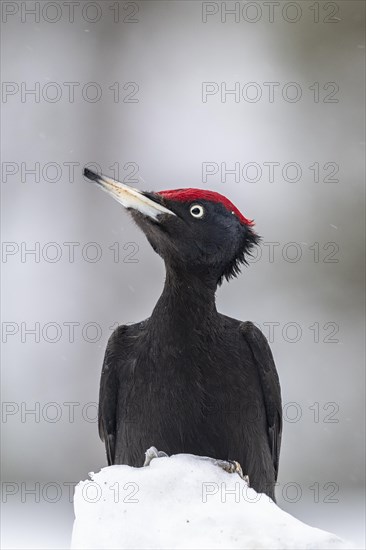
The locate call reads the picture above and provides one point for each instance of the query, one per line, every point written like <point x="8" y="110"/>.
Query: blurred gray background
<point x="122" y="85"/>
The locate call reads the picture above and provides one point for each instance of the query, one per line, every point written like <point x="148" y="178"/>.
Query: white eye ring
<point x="197" y="211"/>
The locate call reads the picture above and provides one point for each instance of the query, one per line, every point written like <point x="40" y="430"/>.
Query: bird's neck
<point x="187" y="300"/>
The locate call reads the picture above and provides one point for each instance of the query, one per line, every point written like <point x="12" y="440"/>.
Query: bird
<point x="190" y="379"/>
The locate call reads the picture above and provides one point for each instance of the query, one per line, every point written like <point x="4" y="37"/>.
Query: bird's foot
<point x="232" y="467"/>
<point x="229" y="466"/>
<point x="151" y="453"/>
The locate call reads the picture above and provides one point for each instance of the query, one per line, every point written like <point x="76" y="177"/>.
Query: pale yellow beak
<point x="128" y="196"/>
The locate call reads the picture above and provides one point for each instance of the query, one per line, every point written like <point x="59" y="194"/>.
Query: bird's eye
<point x="197" y="210"/>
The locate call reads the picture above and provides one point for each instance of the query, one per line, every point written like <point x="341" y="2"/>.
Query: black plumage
<point x="189" y="379"/>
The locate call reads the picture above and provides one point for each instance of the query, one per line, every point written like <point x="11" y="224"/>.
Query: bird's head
<point x="193" y="230"/>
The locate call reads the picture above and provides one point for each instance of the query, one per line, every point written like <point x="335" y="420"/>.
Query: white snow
<point x="184" y="501"/>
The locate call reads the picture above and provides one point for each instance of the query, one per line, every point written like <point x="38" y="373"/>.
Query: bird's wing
<point x="270" y="386"/>
<point x="108" y="394"/>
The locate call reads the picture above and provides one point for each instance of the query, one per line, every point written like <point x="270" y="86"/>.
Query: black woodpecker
<point x="189" y="379"/>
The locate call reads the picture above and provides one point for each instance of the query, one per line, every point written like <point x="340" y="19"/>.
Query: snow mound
<point x="184" y="501"/>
